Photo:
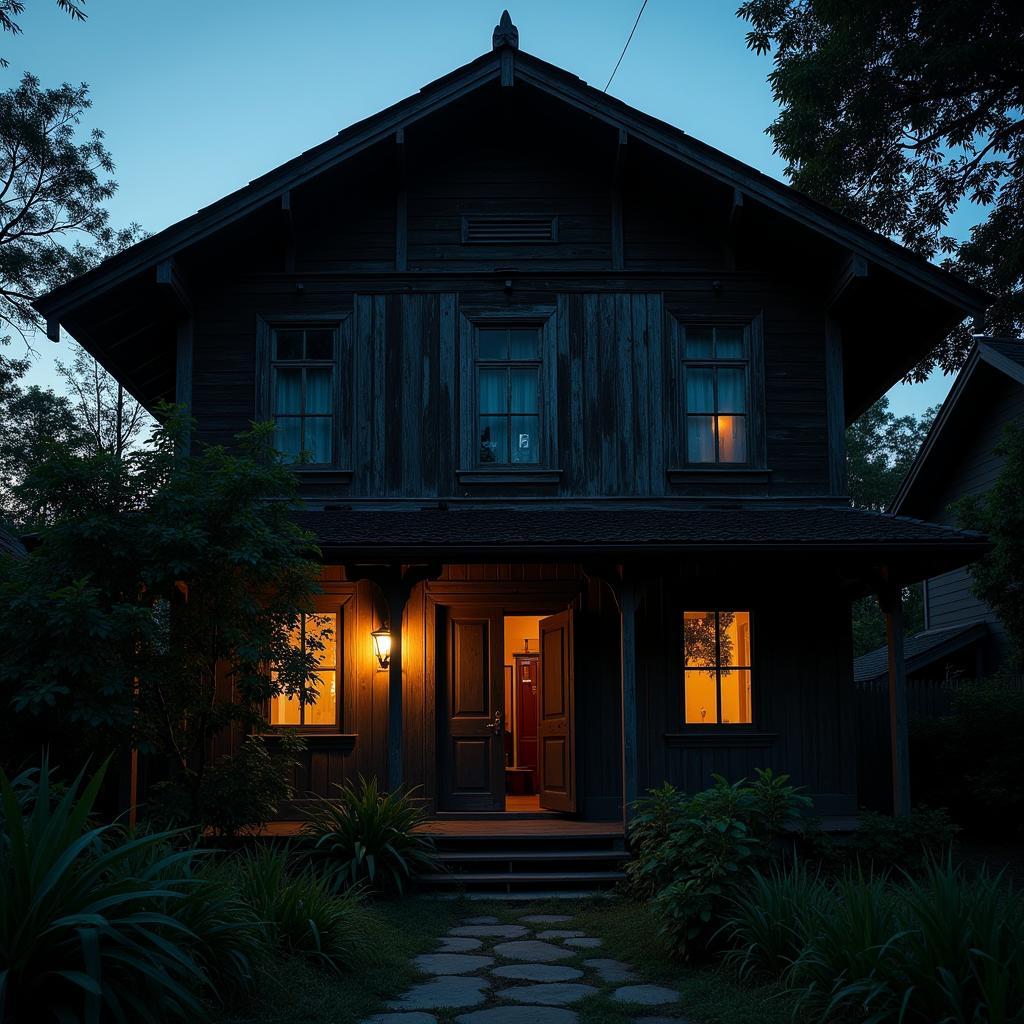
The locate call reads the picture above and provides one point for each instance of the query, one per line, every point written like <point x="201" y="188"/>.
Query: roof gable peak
<point x="505" y="33"/>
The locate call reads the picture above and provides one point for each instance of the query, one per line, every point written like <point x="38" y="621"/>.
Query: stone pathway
<point x="481" y="953"/>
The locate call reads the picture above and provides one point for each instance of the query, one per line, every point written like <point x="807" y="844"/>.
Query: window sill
<point x="509" y="475"/>
<point x="325" y="474"/>
<point x="313" y="739"/>
<point x="719" y="474"/>
<point x="720" y="737"/>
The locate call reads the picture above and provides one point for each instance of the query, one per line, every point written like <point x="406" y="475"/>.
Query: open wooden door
<point x="471" y="718"/>
<point x="555" y="726"/>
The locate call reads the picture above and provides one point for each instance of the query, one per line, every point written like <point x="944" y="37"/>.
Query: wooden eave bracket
<point x="851" y="279"/>
<point x="53" y="329"/>
<point x="288" y="231"/>
<point x="172" y="284"/>
<point x="401" y="204"/>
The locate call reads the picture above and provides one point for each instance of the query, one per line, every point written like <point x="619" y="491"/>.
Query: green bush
<point x="85" y="934"/>
<point x="883" y="842"/>
<point x="299" y="912"/>
<point x="691" y="852"/>
<point x="365" y="837"/>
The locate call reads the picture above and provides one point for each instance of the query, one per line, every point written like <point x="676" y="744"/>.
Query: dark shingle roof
<point x="360" y="529"/>
<point x="918" y="650"/>
<point x="11" y="545"/>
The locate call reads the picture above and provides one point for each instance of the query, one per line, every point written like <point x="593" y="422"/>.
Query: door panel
<point x="471" y="716"/>
<point x="555" y="728"/>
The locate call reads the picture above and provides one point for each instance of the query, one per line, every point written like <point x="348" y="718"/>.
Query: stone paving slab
<point x="459" y="945"/>
<point x="548" y="995"/>
<point x="646" y="995"/>
<point x="519" y="1015"/>
<point x="612" y="971"/>
<point x="660" y="1020"/>
<point x="546" y="918"/>
<point x="481" y="920"/>
<point x="532" y="951"/>
<point x="415" y="1017"/>
<point x="559" y="933"/>
<point x="537" y="972"/>
<point x="583" y="942"/>
<point x="443" y="991"/>
<point x="451" y="963"/>
<point x="490" y="931"/>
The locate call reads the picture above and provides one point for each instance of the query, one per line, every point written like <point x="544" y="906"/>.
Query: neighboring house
<point x="10" y="544"/>
<point x="554" y="361"/>
<point x="962" y="636"/>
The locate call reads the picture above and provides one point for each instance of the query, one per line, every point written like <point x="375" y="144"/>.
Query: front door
<point x="555" y="726"/>
<point x="472" y="726"/>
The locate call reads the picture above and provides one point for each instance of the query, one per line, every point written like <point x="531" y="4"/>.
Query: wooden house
<point x="574" y="388"/>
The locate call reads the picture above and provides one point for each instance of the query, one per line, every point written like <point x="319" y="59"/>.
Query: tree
<point x="895" y="113"/>
<point x="880" y="447"/>
<point x="11" y="9"/>
<point x="105" y="412"/>
<point x="999" y="576"/>
<point x="157" y="608"/>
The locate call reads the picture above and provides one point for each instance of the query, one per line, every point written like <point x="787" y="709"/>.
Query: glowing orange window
<point x="717" y="668"/>
<point x="716" y="395"/>
<point x="319" y="707"/>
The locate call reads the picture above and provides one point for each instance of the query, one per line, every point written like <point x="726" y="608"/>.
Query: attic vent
<point x="515" y="230"/>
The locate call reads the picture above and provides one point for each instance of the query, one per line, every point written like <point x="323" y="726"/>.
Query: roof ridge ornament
<point x="505" y="33"/>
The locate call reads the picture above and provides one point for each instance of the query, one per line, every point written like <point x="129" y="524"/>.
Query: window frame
<point x="681" y="468"/>
<point x="342" y="368"/>
<point x="716" y="608"/>
<point x="336" y="608"/>
<point x="471" y="469"/>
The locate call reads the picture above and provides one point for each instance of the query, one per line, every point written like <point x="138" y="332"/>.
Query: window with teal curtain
<point x="508" y="396"/>
<point x="302" y="386"/>
<point x="716" y="394"/>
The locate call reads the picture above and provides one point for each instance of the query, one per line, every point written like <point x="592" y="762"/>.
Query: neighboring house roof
<point x="1003" y="355"/>
<point x="10" y="544"/>
<point x="588" y="529"/>
<point x="919" y="651"/>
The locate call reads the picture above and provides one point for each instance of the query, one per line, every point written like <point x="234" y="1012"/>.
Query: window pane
<point x="493" y="439"/>
<point x="322" y="638"/>
<point x="318" y="438"/>
<point x="699" y="639"/>
<point x="699" y="343"/>
<point x="734" y="638"/>
<point x="736" y="708"/>
<point x="493" y="386"/>
<point x="701" y="698"/>
<point x="288" y="436"/>
<point x="729" y="343"/>
<point x="732" y="390"/>
<point x="318" y="390"/>
<point x="700" y="438"/>
<point x="493" y="344"/>
<point x="524" y="390"/>
<point x="288" y="345"/>
<point x="320" y="344"/>
<point x="287" y="390"/>
<point x="525" y="343"/>
<point x="325" y="710"/>
<point x="284" y="711"/>
<point x="525" y="439"/>
<point x="700" y="389"/>
<point x="732" y="438"/>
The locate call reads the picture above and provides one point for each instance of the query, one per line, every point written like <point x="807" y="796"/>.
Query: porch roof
<point x="587" y="530"/>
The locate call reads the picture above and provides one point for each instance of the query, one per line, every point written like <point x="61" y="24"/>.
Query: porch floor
<point x="553" y="827"/>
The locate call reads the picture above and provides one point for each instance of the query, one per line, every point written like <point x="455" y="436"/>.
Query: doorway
<point x="504" y="711"/>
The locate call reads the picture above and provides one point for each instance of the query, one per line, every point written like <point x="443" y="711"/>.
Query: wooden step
<point x="520" y="878"/>
<point x="528" y="855"/>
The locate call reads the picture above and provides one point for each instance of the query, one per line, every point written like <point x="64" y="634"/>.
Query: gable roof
<point x="1004" y="355"/>
<point x="919" y="651"/>
<point x="507" y="64"/>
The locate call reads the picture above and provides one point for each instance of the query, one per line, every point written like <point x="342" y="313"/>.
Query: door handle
<point x="496" y="724"/>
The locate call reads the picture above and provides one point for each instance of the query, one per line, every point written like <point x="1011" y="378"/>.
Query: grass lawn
<point x="296" y="993"/>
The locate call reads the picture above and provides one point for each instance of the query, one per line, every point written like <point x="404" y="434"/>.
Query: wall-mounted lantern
<point x="382" y="645"/>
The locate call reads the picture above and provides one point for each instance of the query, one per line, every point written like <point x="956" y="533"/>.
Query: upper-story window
<point x="716" y="375"/>
<point x="302" y="368"/>
<point x="508" y="389"/>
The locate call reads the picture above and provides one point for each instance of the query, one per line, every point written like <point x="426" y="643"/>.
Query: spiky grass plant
<point x="362" y="836"/>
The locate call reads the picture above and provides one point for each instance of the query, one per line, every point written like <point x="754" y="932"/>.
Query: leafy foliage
<point x="883" y="843"/>
<point x="365" y="837"/>
<point x="12" y="9"/>
<point x="692" y="852"/>
<point x="999" y="575"/>
<point x="895" y="114"/>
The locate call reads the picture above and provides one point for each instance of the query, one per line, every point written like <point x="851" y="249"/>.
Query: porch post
<point x="396" y="594"/>
<point x="892" y="605"/>
<point x="629" y="593"/>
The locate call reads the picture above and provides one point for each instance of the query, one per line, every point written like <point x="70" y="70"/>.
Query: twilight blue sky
<point x="196" y="98"/>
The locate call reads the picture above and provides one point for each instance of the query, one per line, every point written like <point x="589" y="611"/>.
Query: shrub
<point x="299" y="912"/>
<point x="910" y="843"/>
<point x="365" y="837"/>
<point x="83" y="933"/>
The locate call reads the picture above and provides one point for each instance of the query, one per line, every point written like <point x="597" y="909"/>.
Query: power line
<point x="626" y="47"/>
